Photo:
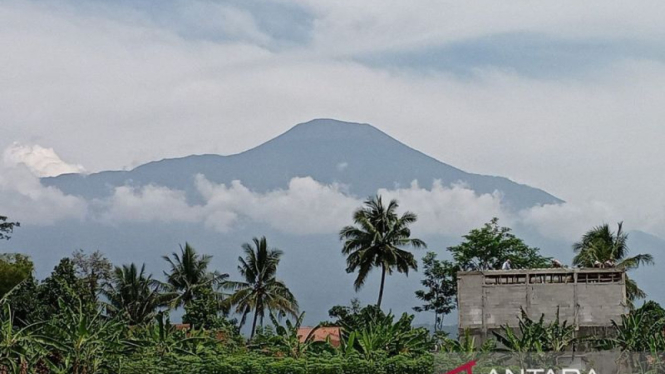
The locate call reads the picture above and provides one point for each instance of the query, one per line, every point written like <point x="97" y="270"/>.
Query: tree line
<point x="89" y="303"/>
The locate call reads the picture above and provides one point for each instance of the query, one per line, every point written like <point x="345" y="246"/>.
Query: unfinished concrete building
<point x="587" y="298"/>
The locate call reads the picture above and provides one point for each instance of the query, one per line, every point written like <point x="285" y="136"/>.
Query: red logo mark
<point x="468" y="367"/>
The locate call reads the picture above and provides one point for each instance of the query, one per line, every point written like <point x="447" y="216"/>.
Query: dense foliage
<point x="601" y="247"/>
<point x="89" y="316"/>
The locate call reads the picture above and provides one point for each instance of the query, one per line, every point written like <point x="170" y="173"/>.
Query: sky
<point x="566" y="96"/>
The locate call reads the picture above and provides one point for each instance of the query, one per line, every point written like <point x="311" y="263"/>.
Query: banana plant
<point x="87" y="342"/>
<point x="163" y="339"/>
<point x="287" y="338"/>
<point x="20" y="348"/>
<point x="382" y="335"/>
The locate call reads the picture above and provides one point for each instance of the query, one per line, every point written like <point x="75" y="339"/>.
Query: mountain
<point x="356" y="155"/>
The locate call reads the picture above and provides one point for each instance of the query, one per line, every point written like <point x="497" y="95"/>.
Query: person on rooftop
<point x="506" y="265"/>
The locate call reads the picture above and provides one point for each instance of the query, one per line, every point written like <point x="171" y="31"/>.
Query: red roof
<point x="321" y="334"/>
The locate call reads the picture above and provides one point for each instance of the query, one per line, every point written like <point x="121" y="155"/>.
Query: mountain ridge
<point x="330" y="151"/>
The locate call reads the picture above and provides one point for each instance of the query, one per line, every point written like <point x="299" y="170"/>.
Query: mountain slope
<point x="357" y="155"/>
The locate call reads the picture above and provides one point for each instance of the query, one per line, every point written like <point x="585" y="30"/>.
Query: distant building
<point x="321" y="334"/>
<point x="589" y="299"/>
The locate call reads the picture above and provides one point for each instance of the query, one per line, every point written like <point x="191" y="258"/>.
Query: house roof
<point x="321" y="334"/>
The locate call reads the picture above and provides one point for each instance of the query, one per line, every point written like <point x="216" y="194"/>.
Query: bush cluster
<point x="257" y="364"/>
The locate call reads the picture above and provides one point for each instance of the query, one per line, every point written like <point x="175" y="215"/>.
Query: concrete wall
<point x="592" y="299"/>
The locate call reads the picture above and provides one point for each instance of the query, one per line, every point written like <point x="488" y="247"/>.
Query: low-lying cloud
<point x="24" y="198"/>
<point x="309" y="207"/>
<point x="43" y="162"/>
<point x="304" y="207"/>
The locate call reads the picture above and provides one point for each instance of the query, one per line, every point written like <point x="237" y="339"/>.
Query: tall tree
<point x="491" y="245"/>
<point x="14" y="269"/>
<point x="62" y="285"/>
<point x="602" y="245"/>
<point x="188" y="273"/>
<point x="440" y="294"/>
<point x="376" y="241"/>
<point x="6" y="228"/>
<point x="261" y="289"/>
<point x="94" y="270"/>
<point x="132" y="295"/>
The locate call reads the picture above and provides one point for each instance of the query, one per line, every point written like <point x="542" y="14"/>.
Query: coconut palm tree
<point x="261" y="289"/>
<point x="376" y="240"/>
<point x="133" y="295"/>
<point x="189" y="273"/>
<point x="602" y="245"/>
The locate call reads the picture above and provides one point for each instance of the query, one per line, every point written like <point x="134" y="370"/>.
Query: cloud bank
<point x="304" y="207"/>
<point x="308" y="207"/>
<point x="23" y="198"/>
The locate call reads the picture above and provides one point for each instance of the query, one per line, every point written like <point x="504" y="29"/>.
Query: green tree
<point x="7" y="228"/>
<point x="440" y="295"/>
<point x="93" y="269"/>
<point x="25" y="306"/>
<point x="354" y="316"/>
<point x="132" y="295"/>
<point x="188" y="273"/>
<point x="376" y="241"/>
<point x="206" y="311"/>
<point x="491" y="245"/>
<point x="261" y="289"/>
<point x="14" y="269"/>
<point x="602" y="245"/>
<point x="62" y="285"/>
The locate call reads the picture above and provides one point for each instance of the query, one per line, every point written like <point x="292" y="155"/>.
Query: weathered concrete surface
<point x="586" y="298"/>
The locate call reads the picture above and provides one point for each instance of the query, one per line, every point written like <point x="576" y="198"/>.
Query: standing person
<point x="506" y="265"/>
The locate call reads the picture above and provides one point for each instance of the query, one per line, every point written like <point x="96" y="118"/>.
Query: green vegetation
<point x="261" y="289"/>
<point x="375" y="241"/>
<point x="484" y="248"/>
<point x="441" y="292"/>
<point x="89" y="316"/>
<point x="14" y="269"/>
<point x="491" y="245"/>
<point x="602" y="247"/>
<point x="6" y="228"/>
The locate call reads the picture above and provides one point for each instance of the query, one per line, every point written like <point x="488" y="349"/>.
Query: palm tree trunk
<point x="256" y="317"/>
<point x="383" y="282"/>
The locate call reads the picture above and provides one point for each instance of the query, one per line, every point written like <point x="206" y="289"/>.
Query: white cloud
<point x="306" y="207"/>
<point x="24" y="199"/>
<point x="349" y="26"/>
<point x="309" y="207"/>
<point x="43" y="162"/>
<point x="450" y="211"/>
<point x="147" y="204"/>
<point x="118" y="89"/>
<point x="568" y="221"/>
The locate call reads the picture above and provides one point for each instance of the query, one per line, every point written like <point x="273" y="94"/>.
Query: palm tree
<point x="189" y="273"/>
<point x="375" y="241"/>
<point x="133" y="295"/>
<point x="261" y="289"/>
<point x="602" y="245"/>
